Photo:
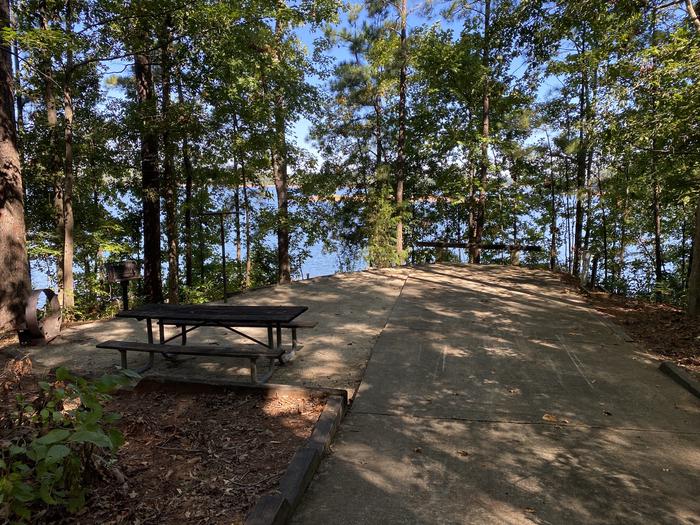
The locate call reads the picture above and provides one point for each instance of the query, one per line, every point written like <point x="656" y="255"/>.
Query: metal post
<point x="223" y="255"/>
<point x="125" y="294"/>
<point x="151" y="356"/>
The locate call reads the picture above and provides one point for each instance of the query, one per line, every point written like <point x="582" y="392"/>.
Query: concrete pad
<point x="493" y="395"/>
<point x="409" y="470"/>
<point x="351" y="310"/>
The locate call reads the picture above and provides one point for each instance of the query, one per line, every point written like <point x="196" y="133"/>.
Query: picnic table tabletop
<point x="222" y="314"/>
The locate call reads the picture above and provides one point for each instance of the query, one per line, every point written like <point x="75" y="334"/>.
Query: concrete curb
<point x="681" y="377"/>
<point x="276" y="509"/>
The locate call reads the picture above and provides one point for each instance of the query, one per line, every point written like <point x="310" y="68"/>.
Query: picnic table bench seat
<point x="250" y="352"/>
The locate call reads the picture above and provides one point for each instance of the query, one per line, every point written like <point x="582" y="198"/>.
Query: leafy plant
<point x="55" y="444"/>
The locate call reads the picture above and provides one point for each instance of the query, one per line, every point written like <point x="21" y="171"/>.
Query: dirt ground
<point x="663" y="330"/>
<point x="192" y="456"/>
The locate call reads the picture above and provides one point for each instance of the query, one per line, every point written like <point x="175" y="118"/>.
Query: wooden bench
<point x="293" y="326"/>
<point x="250" y="352"/>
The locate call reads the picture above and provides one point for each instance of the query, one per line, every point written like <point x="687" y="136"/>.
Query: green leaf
<point x="16" y="450"/>
<point x="116" y="437"/>
<point x="56" y="453"/>
<point x="23" y="492"/>
<point x="88" y="436"/>
<point x="54" y="436"/>
<point x="45" y="494"/>
<point x="62" y="374"/>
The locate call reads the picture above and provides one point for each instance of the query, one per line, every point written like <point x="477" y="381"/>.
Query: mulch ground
<point x="195" y="457"/>
<point x="661" y="329"/>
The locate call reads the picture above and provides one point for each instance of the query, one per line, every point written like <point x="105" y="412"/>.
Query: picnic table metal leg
<point x="123" y="353"/>
<point x="279" y="336"/>
<point x="161" y="340"/>
<point x="184" y="334"/>
<point x="253" y="371"/>
<point x="270" y="341"/>
<point x="151" y="357"/>
<point x="294" y="338"/>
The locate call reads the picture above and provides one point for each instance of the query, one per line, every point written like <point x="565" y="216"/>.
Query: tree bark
<point x="692" y="14"/>
<point x="150" y="178"/>
<point x="656" y="207"/>
<point x="14" y="274"/>
<point x="55" y="168"/>
<point x="480" y="215"/>
<point x="553" y="205"/>
<point x="694" y="279"/>
<point x="581" y="156"/>
<point x="280" y="174"/>
<point x="187" y="168"/>
<point x="279" y="170"/>
<point x="378" y="133"/>
<point x="169" y="179"/>
<point x="601" y="198"/>
<point x="246" y="208"/>
<point x="237" y="222"/>
<point x="401" y="139"/>
<point x="68" y="176"/>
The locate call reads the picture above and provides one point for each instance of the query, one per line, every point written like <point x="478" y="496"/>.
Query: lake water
<point x="317" y="264"/>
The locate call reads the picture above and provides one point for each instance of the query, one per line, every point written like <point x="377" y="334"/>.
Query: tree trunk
<point x="246" y="208"/>
<point x="656" y="206"/>
<point x="68" y="177"/>
<point x="150" y="178"/>
<point x="378" y="133"/>
<point x="601" y="197"/>
<point x="694" y="281"/>
<point x="480" y="218"/>
<point x="55" y="168"/>
<point x="237" y="222"/>
<point x="581" y="157"/>
<point x="553" y="204"/>
<point x="19" y="99"/>
<point x="401" y="139"/>
<point x="169" y="179"/>
<point x="14" y="274"/>
<point x="624" y="218"/>
<point x="279" y="171"/>
<point x="187" y="164"/>
<point x="187" y="168"/>
<point x="592" y="283"/>
<point x="693" y="15"/>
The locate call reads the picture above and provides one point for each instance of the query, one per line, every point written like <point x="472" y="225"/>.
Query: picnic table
<point x="231" y="317"/>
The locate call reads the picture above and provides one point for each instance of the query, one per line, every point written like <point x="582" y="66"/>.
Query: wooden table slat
<point x="224" y="313"/>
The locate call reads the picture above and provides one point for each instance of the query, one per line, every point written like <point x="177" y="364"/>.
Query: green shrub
<point x="55" y="444"/>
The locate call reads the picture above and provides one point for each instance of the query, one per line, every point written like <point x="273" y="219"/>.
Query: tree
<point x="14" y="276"/>
<point x="150" y="173"/>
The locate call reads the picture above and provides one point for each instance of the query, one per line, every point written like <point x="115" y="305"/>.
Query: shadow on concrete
<point x="492" y="397"/>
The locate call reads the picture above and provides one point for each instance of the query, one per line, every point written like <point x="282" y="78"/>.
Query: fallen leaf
<point x="462" y="452"/>
<point x="418" y="450"/>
